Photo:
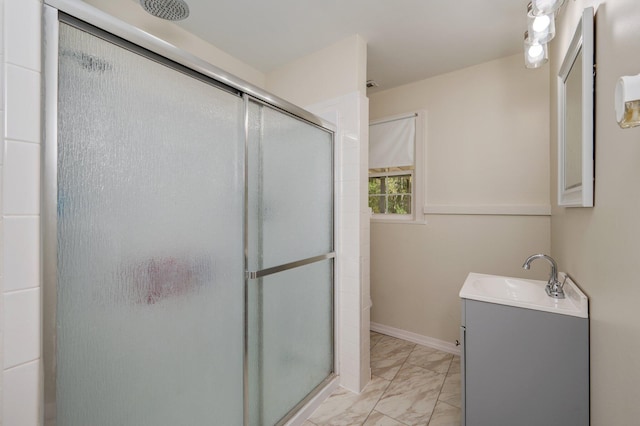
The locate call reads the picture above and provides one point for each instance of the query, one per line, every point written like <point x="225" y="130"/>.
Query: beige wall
<point x="417" y="270"/>
<point x="327" y="74"/>
<point x="600" y="246"/>
<point x="487" y="147"/>
<point x="487" y="132"/>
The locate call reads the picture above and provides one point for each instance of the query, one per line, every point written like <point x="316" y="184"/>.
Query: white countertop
<point x="523" y="293"/>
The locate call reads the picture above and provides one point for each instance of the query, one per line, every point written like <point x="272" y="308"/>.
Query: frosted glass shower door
<point x="149" y="318"/>
<point x="290" y="249"/>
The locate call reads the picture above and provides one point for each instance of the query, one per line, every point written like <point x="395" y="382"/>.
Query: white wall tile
<point x="22" y="33"/>
<point x="21" y="395"/>
<point x="350" y="363"/>
<point x="21" y="327"/>
<point x="349" y="266"/>
<point x="350" y="196"/>
<point x="21" y="185"/>
<point x="350" y="317"/>
<point x="22" y="104"/>
<point x="350" y="380"/>
<point x="350" y="349"/>
<point x="21" y="257"/>
<point x="349" y="245"/>
<point x="350" y="172"/>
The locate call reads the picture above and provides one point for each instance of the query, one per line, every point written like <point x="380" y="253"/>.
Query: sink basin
<point x="509" y="288"/>
<point x="529" y="294"/>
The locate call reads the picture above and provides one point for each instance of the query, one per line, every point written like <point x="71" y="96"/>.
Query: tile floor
<point x="410" y="385"/>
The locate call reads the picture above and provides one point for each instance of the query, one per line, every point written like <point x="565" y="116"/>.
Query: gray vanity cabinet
<point x="523" y="367"/>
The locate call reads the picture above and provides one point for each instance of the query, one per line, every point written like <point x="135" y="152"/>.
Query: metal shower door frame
<point x="264" y="272"/>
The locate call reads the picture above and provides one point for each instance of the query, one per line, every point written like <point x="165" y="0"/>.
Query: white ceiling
<point x="408" y="40"/>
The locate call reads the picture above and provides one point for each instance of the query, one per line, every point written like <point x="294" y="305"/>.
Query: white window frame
<point x="418" y="172"/>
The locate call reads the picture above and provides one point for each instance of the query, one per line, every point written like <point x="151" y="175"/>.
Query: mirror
<point x="575" y="118"/>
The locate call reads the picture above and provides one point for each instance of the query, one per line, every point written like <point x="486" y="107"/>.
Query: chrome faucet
<point x="554" y="287"/>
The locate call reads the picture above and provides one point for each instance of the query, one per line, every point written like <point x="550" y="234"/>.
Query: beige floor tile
<point x="445" y="415"/>
<point x="388" y="345"/>
<point x="431" y="359"/>
<point x="345" y="408"/>
<point x="411" y="385"/>
<point x="455" y="365"/>
<point x="388" y="367"/>
<point x="388" y="355"/>
<point x="374" y="338"/>
<point x="412" y="395"/>
<point x="378" y="419"/>
<point x="450" y="392"/>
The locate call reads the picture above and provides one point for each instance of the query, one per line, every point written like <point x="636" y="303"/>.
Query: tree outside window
<point x="390" y="190"/>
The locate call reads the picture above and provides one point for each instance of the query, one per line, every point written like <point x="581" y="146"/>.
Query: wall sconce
<point x="535" y="53"/>
<point x="627" y="100"/>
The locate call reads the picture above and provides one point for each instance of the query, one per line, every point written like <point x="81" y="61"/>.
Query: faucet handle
<point x="561" y="285"/>
<point x="555" y="289"/>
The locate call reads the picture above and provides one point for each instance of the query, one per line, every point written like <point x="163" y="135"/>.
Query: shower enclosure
<point x="188" y="241"/>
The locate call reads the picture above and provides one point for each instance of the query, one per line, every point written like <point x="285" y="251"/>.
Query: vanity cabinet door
<point x="523" y="367"/>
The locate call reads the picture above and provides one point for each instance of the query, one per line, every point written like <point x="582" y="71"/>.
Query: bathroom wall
<point x="331" y="72"/>
<point x="20" y="277"/>
<point x="599" y="246"/>
<point x="486" y="192"/>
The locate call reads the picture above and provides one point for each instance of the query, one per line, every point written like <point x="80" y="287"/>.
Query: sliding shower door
<point x="150" y="272"/>
<point x="188" y="234"/>
<point x="290" y="261"/>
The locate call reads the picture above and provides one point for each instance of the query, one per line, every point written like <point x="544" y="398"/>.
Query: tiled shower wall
<point x="20" y="279"/>
<point x="351" y="115"/>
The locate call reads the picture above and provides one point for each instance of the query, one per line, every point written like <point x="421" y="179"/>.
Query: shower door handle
<point x="252" y="275"/>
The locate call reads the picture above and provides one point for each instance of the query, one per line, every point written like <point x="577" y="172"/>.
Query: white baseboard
<point x="416" y="338"/>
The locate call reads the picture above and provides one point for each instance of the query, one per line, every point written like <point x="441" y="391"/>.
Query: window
<point x="395" y="154"/>
<point x="390" y="190"/>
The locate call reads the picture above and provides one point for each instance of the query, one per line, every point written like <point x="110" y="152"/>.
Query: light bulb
<point x="535" y="51"/>
<point x="535" y="54"/>
<point x="541" y="23"/>
<point x="545" y="7"/>
<point x="541" y="28"/>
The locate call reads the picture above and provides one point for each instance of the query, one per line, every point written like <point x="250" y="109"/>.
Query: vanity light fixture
<point x="542" y="28"/>
<point x="535" y="53"/>
<point x="627" y="98"/>
<point x="546" y="7"/>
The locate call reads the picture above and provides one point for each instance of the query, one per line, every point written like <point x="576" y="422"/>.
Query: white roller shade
<point x="391" y="144"/>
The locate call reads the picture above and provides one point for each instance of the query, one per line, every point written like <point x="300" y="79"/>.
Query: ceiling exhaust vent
<point x="371" y="83"/>
<point x="171" y="10"/>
